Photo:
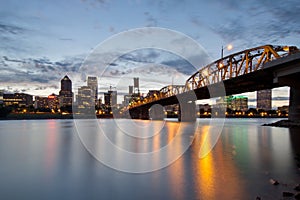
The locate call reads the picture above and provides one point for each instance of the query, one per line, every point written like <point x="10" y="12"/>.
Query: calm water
<point x="45" y="159"/>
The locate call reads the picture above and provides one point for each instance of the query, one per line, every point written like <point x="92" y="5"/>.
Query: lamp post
<point x="229" y="47"/>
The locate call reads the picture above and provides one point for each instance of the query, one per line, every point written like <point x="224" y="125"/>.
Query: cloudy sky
<point x="41" y="41"/>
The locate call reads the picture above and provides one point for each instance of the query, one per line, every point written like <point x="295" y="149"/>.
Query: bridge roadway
<point x="283" y="71"/>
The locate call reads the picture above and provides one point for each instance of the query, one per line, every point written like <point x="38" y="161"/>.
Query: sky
<point x="41" y="41"/>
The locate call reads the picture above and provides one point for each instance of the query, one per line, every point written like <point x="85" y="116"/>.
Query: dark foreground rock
<point x="287" y="194"/>
<point x="284" y="123"/>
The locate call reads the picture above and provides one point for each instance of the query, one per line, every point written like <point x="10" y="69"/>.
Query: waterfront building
<point x="237" y="103"/>
<point x="86" y="97"/>
<point x="17" y="100"/>
<point x="41" y="102"/>
<point x="1" y="97"/>
<point x="110" y="98"/>
<point x="234" y="103"/>
<point x="53" y="101"/>
<point x="92" y="82"/>
<point x="66" y="94"/>
<point x="264" y="99"/>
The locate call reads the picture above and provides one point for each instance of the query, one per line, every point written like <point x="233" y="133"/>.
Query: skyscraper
<point x="85" y="97"/>
<point x="92" y="82"/>
<point x="264" y="99"/>
<point x="136" y="85"/>
<point x="65" y="93"/>
<point x="66" y="84"/>
<point x="110" y="98"/>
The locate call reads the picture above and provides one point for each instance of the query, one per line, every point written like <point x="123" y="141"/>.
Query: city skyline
<point x="39" y="46"/>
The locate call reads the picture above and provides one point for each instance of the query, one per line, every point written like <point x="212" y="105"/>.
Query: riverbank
<point x="34" y="116"/>
<point x="285" y="124"/>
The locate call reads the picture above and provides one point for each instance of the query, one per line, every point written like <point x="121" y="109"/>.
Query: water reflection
<point x="216" y="176"/>
<point x="45" y="160"/>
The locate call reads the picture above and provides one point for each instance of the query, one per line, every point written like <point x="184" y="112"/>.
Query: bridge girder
<point x="231" y="66"/>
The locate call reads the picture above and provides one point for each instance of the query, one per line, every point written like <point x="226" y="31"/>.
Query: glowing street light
<point x="229" y="47"/>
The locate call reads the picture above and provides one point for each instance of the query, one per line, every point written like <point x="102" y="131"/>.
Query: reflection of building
<point x="17" y="99"/>
<point x="92" y="82"/>
<point x="85" y="97"/>
<point x="264" y="99"/>
<point x="65" y="94"/>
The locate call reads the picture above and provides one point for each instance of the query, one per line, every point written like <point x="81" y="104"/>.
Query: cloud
<point x="66" y="39"/>
<point x="111" y="29"/>
<point x="251" y="23"/>
<point x="12" y="60"/>
<point x="10" y="29"/>
<point x="151" y="21"/>
<point x="40" y="70"/>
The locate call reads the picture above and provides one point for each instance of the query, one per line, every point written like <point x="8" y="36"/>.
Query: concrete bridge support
<point x="156" y="112"/>
<point x="293" y="82"/>
<point x="294" y="108"/>
<point x="187" y="112"/>
<point x="140" y="113"/>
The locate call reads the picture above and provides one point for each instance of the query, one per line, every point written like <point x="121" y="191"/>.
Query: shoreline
<point x="285" y="123"/>
<point x="44" y="116"/>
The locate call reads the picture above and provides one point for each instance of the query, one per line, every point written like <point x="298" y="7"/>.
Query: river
<point x="46" y="159"/>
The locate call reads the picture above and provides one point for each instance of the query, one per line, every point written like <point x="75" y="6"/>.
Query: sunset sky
<point x="41" y="41"/>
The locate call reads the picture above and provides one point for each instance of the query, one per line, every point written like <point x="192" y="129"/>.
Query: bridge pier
<point x="141" y="113"/>
<point x="156" y="112"/>
<point x="294" y="107"/>
<point x="187" y="112"/>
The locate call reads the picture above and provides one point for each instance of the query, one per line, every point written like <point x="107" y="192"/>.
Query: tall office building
<point x="92" y="82"/>
<point x="110" y="98"/>
<point x="85" y="97"/>
<point x="130" y="90"/>
<point x="65" y="93"/>
<point x="136" y="85"/>
<point x="264" y="99"/>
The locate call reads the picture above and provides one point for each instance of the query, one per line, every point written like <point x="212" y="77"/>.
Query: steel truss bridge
<point x="241" y="64"/>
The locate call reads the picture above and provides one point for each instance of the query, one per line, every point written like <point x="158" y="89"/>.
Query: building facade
<point x="234" y="103"/>
<point x="17" y="100"/>
<point x="53" y="101"/>
<point x="264" y="99"/>
<point x="92" y="82"/>
<point x="65" y="93"/>
<point x="237" y="103"/>
<point x="110" y="98"/>
<point x="41" y="102"/>
<point x="85" y="98"/>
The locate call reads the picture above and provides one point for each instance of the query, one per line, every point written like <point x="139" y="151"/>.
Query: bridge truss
<point x="228" y="67"/>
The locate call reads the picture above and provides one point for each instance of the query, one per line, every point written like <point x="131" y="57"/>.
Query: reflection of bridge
<point x="250" y="70"/>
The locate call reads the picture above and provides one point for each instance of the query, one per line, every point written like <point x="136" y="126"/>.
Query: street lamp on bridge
<point x="229" y="47"/>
